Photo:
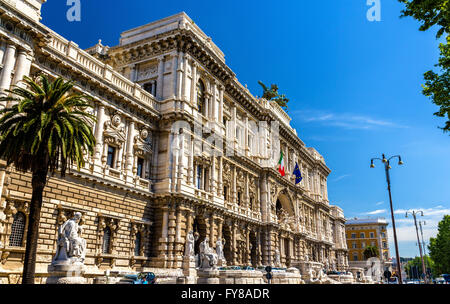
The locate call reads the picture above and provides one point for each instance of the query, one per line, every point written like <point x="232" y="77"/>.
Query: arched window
<point x="106" y="240"/>
<point x="137" y="244"/>
<point x="17" y="230"/>
<point x="201" y="97"/>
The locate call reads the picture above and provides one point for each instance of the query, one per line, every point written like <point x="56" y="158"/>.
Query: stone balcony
<point x="73" y="53"/>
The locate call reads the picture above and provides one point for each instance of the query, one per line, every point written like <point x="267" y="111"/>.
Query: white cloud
<point x="345" y="120"/>
<point x="380" y="211"/>
<point x="340" y="177"/>
<point x="379" y="203"/>
<point x="406" y="229"/>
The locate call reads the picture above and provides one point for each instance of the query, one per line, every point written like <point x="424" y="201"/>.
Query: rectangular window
<point x="372" y="235"/>
<point x="361" y="235"/>
<point x="111" y="156"/>
<point x="355" y="258"/>
<point x="354" y="246"/>
<point x="199" y="177"/>
<point x="363" y="245"/>
<point x="140" y="166"/>
<point x="353" y="235"/>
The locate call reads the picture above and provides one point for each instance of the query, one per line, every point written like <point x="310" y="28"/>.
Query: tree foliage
<point x="273" y="95"/>
<point x="370" y="252"/>
<point x="439" y="247"/>
<point x="414" y="267"/>
<point x="43" y="128"/>
<point x="437" y="83"/>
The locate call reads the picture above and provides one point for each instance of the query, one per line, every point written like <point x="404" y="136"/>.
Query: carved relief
<point x="114" y="131"/>
<point x="143" y="143"/>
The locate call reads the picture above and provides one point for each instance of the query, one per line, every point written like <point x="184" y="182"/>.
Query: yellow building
<point x="361" y="233"/>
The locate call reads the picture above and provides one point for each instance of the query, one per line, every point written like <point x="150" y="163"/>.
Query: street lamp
<point x="423" y="244"/>
<point x="414" y="214"/>
<point x="387" y="167"/>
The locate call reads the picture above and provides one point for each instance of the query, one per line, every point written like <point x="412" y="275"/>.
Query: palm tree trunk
<point x="29" y="266"/>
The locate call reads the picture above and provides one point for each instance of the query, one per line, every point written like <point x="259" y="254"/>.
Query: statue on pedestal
<point x="277" y="258"/>
<point x="219" y="251"/>
<point x="71" y="248"/>
<point x="68" y="264"/>
<point x="208" y="258"/>
<point x="189" y="247"/>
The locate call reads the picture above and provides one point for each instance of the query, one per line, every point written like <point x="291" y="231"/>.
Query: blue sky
<point x="354" y="88"/>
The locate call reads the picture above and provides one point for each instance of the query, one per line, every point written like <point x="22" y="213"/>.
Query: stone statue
<point x="71" y="248"/>
<point x="219" y="248"/>
<point x="208" y="258"/>
<point x="277" y="258"/>
<point x="189" y="247"/>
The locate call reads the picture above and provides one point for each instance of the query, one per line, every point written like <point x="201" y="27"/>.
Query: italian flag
<point x="281" y="165"/>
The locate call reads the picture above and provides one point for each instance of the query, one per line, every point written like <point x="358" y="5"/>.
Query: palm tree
<point x="44" y="128"/>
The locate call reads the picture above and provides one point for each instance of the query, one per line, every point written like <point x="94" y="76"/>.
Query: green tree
<point x="439" y="247"/>
<point x="370" y="252"/>
<point x="414" y="267"/>
<point x="437" y="84"/>
<point x="43" y="129"/>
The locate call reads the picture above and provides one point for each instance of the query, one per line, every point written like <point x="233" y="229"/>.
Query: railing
<point x="71" y="51"/>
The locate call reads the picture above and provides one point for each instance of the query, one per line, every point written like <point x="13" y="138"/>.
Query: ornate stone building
<point x="181" y="145"/>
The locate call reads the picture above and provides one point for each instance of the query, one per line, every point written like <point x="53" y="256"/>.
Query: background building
<point x="153" y="177"/>
<point x="365" y="232"/>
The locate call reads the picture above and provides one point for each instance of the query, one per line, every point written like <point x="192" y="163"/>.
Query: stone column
<point x="194" y="83"/>
<point x="171" y="236"/>
<point x="99" y="133"/>
<point x="162" y="248"/>
<point x="234" y="195"/>
<point x="220" y="119"/>
<point x="220" y="185"/>
<point x="246" y="147"/>
<point x="180" y="79"/>
<point x="153" y="87"/>
<point x="160" y="81"/>
<point x="23" y="67"/>
<point x="8" y="67"/>
<point x="211" y="231"/>
<point x="213" y="175"/>
<point x="133" y="72"/>
<point x="2" y="50"/>
<point x="233" y="244"/>
<point x="129" y="155"/>
<point x="219" y="228"/>
<point x="214" y="103"/>
<point x="185" y="75"/>
<point x="191" y="163"/>
<point x="178" y="241"/>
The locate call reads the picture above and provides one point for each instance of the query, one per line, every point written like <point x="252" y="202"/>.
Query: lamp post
<point x="414" y="213"/>
<point x="387" y="167"/>
<point x="423" y="244"/>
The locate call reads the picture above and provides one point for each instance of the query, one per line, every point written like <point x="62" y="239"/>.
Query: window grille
<point x="106" y="240"/>
<point x="17" y="230"/>
<point x="137" y="244"/>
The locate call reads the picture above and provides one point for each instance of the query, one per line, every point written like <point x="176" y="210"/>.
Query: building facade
<point x="181" y="146"/>
<point x="362" y="233"/>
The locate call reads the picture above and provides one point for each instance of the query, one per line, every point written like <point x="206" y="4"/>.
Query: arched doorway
<point x="227" y="248"/>
<point x="253" y="249"/>
<point x="199" y="227"/>
<point x="284" y="207"/>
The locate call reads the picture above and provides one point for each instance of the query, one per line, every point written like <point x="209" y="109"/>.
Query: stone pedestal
<point x="189" y="271"/>
<point x="208" y="277"/>
<point x="66" y="274"/>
